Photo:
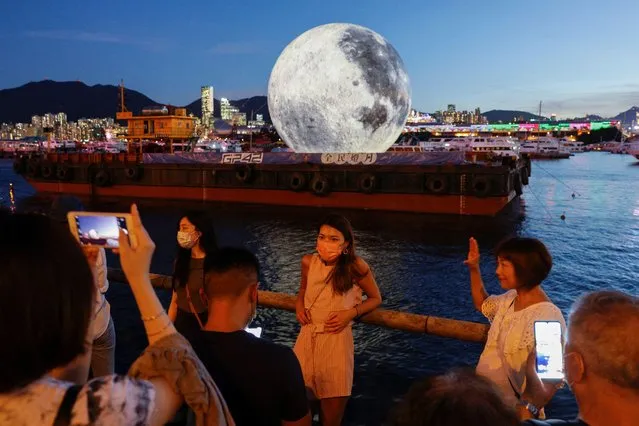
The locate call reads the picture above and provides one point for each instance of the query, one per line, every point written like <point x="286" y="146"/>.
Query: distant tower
<point x="207" y="106"/>
<point x="226" y="109"/>
<point x="451" y="108"/>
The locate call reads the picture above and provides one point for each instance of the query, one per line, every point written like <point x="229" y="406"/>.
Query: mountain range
<point x="507" y="116"/>
<point x="78" y="100"/>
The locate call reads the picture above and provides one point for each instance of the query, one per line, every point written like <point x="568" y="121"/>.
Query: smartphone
<point x="99" y="229"/>
<point x="257" y="331"/>
<point x="549" y="347"/>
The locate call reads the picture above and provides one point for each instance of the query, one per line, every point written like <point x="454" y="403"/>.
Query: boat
<point x="486" y="147"/>
<point x="420" y="182"/>
<point x="477" y="147"/>
<point x="571" y="145"/>
<point x="544" y="147"/>
<point x="632" y="146"/>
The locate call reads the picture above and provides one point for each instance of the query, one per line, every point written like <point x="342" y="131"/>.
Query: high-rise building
<point x="61" y="118"/>
<point x="553" y="117"/>
<point x="451" y="108"/>
<point x="207" y="106"/>
<point x="48" y="120"/>
<point x="227" y="110"/>
<point x="238" y="118"/>
<point x="225" y="107"/>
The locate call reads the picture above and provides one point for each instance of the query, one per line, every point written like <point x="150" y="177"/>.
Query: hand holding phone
<point x="136" y="249"/>
<point x="99" y="229"/>
<point x="549" y="347"/>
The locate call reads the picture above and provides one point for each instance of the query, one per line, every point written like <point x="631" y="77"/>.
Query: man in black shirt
<point x="261" y="381"/>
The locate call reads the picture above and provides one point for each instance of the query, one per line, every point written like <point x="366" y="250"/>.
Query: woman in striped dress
<point x="330" y="298"/>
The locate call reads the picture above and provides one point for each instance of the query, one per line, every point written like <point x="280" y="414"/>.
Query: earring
<point x="345" y="251"/>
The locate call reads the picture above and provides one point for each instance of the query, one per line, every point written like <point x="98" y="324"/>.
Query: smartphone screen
<point x="257" y="331"/>
<point x="103" y="231"/>
<point x="550" y="357"/>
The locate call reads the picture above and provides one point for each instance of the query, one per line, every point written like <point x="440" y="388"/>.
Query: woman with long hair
<point x="195" y="241"/>
<point x="522" y="265"/>
<point x="330" y="298"/>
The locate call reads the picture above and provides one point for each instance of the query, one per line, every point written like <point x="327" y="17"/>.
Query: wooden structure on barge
<point x="157" y="123"/>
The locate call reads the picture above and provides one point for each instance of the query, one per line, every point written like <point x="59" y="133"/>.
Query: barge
<point x="421" y="182"/>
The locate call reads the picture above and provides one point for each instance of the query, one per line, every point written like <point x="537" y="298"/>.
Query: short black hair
<point x="46" y="298"/>
<point x="459" y="397"/>
<point x="529" y="256"/>
<point x="240" y="267"/>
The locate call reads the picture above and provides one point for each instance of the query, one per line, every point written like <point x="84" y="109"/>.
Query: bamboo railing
<point x="404" y="321"/>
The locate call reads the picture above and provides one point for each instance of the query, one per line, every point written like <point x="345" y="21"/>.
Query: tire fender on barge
<point x="244" y="173"/>
<point x="297" y="181"/>
<point x="437" y="184"/>
<point x="367" y="183"/>
<point x="102" y="177"/>
<point x="133" y="172"/>
<point x="47" y="170"/>
<point x="320" y="185"/>
<point x="64" y="172"/>
<point x="481" y="185"/>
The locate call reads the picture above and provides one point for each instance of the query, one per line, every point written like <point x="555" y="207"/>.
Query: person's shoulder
<point x="118" y="399"/>
<point x="115" y="385"/>
<point x="503" y="298"/>
<point x="546" y="310"/>
<point x="307" y="259"/>
<point x="361" y="263"/>
<point x="361" y="266"/>
<point x="275" y="353"/>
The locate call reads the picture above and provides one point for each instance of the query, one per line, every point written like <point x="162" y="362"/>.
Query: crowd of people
<point x="58" y="339"/>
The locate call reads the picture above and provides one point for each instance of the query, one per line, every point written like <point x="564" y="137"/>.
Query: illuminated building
<point x="452" y="116"/>
<point x="207" y="106"/>
<point x="238" y="118"/>
<point x="227" y="110"/>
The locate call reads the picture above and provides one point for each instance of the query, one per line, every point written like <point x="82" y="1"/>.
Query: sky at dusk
<point x="578" y="56"/>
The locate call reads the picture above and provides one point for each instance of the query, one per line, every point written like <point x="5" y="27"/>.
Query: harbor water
<point x="418" y="264"/>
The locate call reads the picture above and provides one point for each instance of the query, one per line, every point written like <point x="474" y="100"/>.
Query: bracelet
<point x="158" y="315"/>
<point x="159" y="331"/>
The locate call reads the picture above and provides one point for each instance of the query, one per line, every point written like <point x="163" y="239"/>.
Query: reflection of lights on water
<point x="12" y="198"/>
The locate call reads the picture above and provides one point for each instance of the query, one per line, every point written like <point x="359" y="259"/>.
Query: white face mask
<point x="187" y="239"/>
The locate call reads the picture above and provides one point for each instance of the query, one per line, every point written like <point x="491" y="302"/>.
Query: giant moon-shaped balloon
<point x="339" y="88"/>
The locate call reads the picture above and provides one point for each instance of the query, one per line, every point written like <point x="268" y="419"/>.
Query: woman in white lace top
<point x="509" y="355"/>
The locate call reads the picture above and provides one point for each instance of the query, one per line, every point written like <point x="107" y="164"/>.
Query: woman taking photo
<point x="195" y="240"/>
<point x="46" y="332"/>
<point x="330" y="298"/>
<point x="103" y="347"/>
<point x="522" y="265"/>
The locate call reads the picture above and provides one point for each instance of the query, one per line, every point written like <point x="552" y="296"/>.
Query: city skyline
<point x="496" y="56"/>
